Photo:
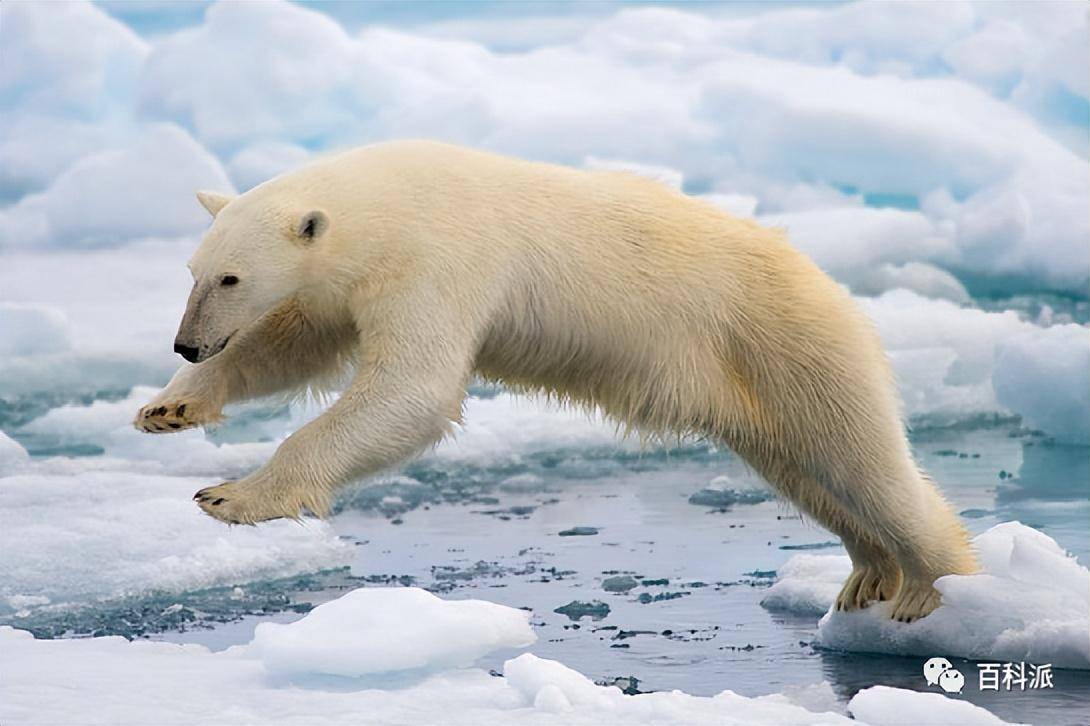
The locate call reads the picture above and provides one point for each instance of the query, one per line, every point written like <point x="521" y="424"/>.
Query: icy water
<point x="656" y="581"/>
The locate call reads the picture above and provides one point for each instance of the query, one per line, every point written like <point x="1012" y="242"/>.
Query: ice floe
<point x="1030" y="602"/>
<point x="385" y="630"/>
<point x="110" y="534"/>
<point x="380" y="656"/>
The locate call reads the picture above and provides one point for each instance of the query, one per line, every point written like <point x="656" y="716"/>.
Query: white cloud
<point x="262" y="161"/>
<point x="143" y="189"/>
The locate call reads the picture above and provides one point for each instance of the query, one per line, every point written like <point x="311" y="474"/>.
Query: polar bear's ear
<point x="312" y="225"/>
<point x="213" y="201"/>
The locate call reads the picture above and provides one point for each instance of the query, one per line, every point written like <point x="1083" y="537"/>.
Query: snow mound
<point x="885" y="706"/>
<point x="386" y="630"/>
<point x="114" y="681"/>
<point x="1030" y="602"/>
<point x="806" y="584"/>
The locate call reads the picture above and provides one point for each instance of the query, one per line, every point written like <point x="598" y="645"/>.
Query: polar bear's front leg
<point x="406" y="392"/>
<point x="195" y="396"/>
<point x="285" y="349"/>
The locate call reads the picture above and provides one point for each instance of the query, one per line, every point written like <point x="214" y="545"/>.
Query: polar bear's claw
<point x="868" y="584"/>
<point x="158" y="418"/>
<point x="239" y="503"/>
<point x="914" y="601"/>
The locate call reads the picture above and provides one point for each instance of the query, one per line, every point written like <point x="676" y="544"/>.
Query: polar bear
<point x="415" y="265"/>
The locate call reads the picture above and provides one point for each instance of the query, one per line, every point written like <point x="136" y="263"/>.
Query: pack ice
<point x="378" y="655"/>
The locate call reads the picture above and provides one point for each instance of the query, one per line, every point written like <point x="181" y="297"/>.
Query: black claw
<point x="218" y="501"/>
<point x="181" y="409"/>
<point x="175" y="425"/>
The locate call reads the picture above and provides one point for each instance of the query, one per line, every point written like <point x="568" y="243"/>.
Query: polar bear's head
<point x="253" y="257"/>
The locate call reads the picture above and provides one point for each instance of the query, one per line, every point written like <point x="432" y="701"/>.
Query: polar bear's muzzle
<point x="197" y="354"/>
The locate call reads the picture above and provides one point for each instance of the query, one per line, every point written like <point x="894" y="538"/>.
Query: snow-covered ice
<point x="87" y="535"/>
<point x="347" y="662"/>
<point x="1030" y="602"/>
<point x="383" y="630"/>
<point x="898" y="707"/>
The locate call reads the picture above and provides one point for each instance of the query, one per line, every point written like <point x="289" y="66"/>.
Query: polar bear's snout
<point x="188" y="352"/>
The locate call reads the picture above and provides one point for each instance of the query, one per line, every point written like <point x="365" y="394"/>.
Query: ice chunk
<point x="385" y="630"/>
<point x="885" y="706"/>
<point x="123" y="682"/>
<point x="806" y="584"/>
<point x="120" y="194"/>
<point x="1030" y="602"/>
<point x="507" y="426"/>
<point x="73" y="530"/>
<point x="1044" y="374"/>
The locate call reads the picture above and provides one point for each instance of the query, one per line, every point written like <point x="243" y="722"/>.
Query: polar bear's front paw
<point x="160" y="417"/>
<point x="242" y="502"/>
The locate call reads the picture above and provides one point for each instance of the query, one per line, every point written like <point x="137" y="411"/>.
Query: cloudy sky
<point x="901" y="137"/>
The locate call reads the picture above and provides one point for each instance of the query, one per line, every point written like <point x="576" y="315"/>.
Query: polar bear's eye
<point x="228" y="280"/>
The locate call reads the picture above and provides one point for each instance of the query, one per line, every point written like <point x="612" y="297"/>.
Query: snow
<point x="955" y="363"/>
<point x="385" y="630"/>
<point x="350" y="657"/>
<point x="118" y="195"/>
<point x="12" y="454"/>
<point x="885" y="706"/>
<point x="1030" y="602"/>
<point x="1044" y="374"/>
<point x="73" y="530"/>
<point x="807" y="584"/>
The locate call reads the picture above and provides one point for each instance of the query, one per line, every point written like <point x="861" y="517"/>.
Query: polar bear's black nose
<point x="190" y="354"/>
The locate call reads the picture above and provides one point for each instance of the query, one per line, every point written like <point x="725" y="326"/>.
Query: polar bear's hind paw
<point x="914" y="601"/>
<point x="868" y="584"/>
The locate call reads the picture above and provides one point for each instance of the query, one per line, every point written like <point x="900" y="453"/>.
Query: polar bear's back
<point x="598" y="271"/>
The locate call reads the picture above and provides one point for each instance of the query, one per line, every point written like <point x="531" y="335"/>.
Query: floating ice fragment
<point x="621" y="583"/>
<point x="1030" y="602"/>
<point x="577" y="609"/>
<point x="579" y="532"/>
<point x="885" y="706"/>
<point x="385" y="630"/>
